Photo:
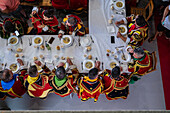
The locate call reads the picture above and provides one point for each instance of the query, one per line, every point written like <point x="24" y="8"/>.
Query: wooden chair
<point x="146" y="12"/>
<point x="154" y="60"/>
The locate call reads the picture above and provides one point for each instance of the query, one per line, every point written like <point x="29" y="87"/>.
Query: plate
<point x="113" y="63"/>
<point x="110" y="29"/>
<point x="85" y="41"/>
<point x="123" y="29"/>
<point x="88" y="64"/>
<point x="67" y="40"/>
<point x="14" y="67"/>
<point x="13" y="40"/>
<point x="118" y="5"/>
<point x="37" y="40"/>
<point x="127" y="56"/>
<point x="65" y="66"/>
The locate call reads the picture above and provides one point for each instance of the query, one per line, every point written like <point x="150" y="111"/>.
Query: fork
<point x="30" y="41"/>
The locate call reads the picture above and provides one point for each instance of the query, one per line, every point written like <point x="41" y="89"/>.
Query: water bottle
<point x="47" y="45"/>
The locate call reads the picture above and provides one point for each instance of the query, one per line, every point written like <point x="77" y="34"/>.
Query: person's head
<point x="6" y="75"/>
<point x="140" y="21"/>
<point x="115" y="72"/>
<point x="93" y="73"/>
<point x="138" y="52"/>
<point x="33" y="72"/>
<point x="71" y="21"/>
<point x="48" y="14"/>
<point x="9" y="27"/>
<point x="60" y="72"/>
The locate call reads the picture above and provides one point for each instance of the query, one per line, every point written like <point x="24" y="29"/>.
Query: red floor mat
<point x="164" y="56"/>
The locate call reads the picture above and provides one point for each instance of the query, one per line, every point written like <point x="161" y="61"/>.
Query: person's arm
<point x="165" y="13"/>
<point x="121" y="36"/>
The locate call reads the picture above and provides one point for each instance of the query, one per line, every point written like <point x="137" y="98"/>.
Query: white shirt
<point x="167" y="21"/>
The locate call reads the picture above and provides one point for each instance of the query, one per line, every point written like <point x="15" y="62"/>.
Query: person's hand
<point x="60" y="35"/>
<point x="69" y="61"/>
<point x="38" y="63"/>
<point x="119" y="34"/>
<point x="70" y="33"/>
<point x="97" y="64"/>
<point x="61" y="64"/>
<point x="41" y="26"/>
<point x="20" y="62"/>
<point x="33" y="12"/>
<point x="130" y="50"/>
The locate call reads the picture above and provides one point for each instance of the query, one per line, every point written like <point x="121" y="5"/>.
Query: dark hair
<point x="49" y="13"/>
<point x="33" y="71"/>
<point x="139" y="51"/>
<point x="60" y="72"/>
<point x="9" y="27"/>
<point x="72" y="20"/>
<point x="140" y="21"/>
<point x="167" y="33"/>
<point x="5" y="78"/>
<point x="93" y="73"/>
<point x="115" y="72"/>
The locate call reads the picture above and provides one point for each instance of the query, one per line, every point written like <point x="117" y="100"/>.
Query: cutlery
<point x="21" y="41"/>
<point x="5" y="65"/>
<point x="119" y="47"/>
<point x="7" y="43"/>
<point x="82" y="65"/>
<point x="30" y="41"/>
<point x="123" y="54"/>
<point x="79" y="41"/>
<point x="92" y="39"/>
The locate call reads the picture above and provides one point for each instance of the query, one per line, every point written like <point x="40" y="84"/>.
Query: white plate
<point x="84" y="63"/>
<point x="113" y="60"/>
<point x="38" y="43"/>
<point x="127" y="56"/>
<point x="11" y="38"/>
<point x="16" y="69"/>
<point x="110" y="29"/>
<point x="85" y="41"/>
<point x="125" y="29"/>
<point x="67" y="44"/>
<point x="66" y="64"/>
<point x="119" y="8"/>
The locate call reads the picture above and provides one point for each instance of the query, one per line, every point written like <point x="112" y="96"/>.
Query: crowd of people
<point x="113" y="83"/>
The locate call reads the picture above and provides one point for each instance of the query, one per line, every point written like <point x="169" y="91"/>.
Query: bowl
<point x="113" y="63"/>
<point x="13" y="40"/>
<point x="88" y="64"/>
<point x="37" y="40"/>
<point x="124" y="57"/>
<point x="118" y="5"/>
<point x="14" y="67"/>
<point x="123" y="29"/>
<point x="67" y="40"/>
<point x="85" y="41"/>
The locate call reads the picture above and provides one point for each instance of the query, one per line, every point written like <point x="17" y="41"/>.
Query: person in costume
<point x="137" y="30"/>
<point x="11" y="85"/>
<point x="37" y="83"/>
<point x="142" y="62"/>
<point x="14" y="26"/>
<point x="115" y="84"/>
<point x="90" y="86"/>
<point x="71" y="25"/>
<point x="64" y="84"/>
<point x="43" y="21"/>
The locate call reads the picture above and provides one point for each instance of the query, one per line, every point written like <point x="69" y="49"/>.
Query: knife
<point x="92" y="39"/>
<point x="79" y="41"/>
<point x="82" y="65"/>
<point x="21" y="40"/>
<point x="102" y="66"/>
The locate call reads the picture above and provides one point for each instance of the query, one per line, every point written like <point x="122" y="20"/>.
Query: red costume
<point x="78" y="28"/>
<point x="89" y="88"/>
<point x="115" y="89"/>
<point x="17" y="89"/>
<point x="40" y="88"/>
<point x="142" y="65"/>
<point x="68" y="85"/>
<point x="37" y="20"/>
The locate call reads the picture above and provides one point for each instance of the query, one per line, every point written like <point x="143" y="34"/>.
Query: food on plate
<point x="62" y="58"/>
<point x="90" y="57"/>
<point x="121" y="29"/>
<point x="119" y="4"/>
<point x="13" y="67"/>
<point x="58" y="47"/>
<point x="35" y="46"/>
<point x="112" y="64"/>
<point x="66" y="40"/>
<point x="89" y="65"/>
<point x="113" y="53"/>
<point x="123" y="57"/>
<point x="13" y="40"/>
<point x="108" y="50"/>
<point x="37" y="40"/>
<point x="41" y="56"/>
<point x="88" y="48"/>
<point x="85" y="56"/>
<point x="16" y="55"/>
<point x="62" y="46"/>
<point x="19" y="50"/>
<point x="115" y="56"/>
<point x="42" y="47"/>
<point x="35" y="58"/>
<point x="22" y="55"/>
<point x="110" y="21"/>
